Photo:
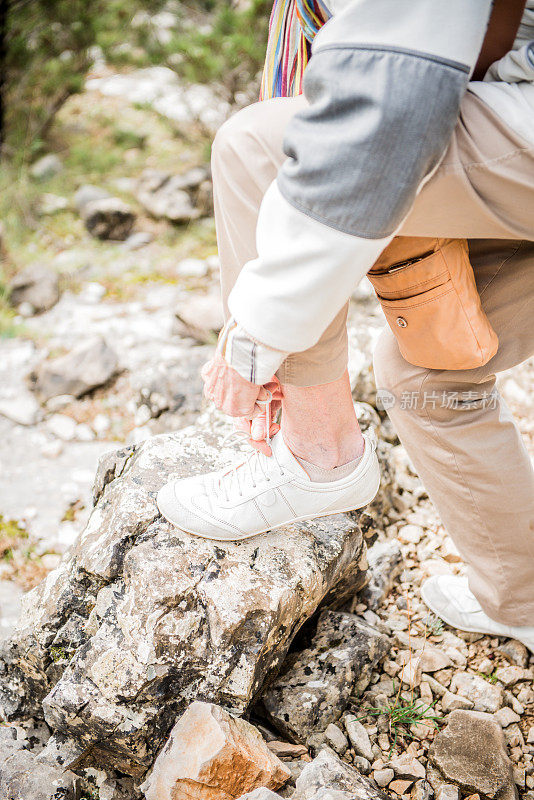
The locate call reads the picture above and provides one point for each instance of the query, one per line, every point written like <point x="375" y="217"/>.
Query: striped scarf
<point x="292" y="28"/>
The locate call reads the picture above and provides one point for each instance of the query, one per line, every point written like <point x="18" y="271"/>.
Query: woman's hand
<point x="236" y="397"/>
<point x="231" y="393"/>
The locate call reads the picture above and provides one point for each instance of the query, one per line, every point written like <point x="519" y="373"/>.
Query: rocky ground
<point x="105" y="342"/>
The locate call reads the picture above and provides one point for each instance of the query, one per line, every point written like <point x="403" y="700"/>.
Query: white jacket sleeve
<point x="384" y="87"/>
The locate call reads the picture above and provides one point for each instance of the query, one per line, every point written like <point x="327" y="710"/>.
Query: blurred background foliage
<point x="50" y="45"/>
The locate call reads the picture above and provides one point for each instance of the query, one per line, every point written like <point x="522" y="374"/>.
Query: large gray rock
<point x="37" y="285"/>
<point x="23" y="777"/>
<point x="89" y="365"/>
<point x="329" y="777"/>
<point x="471" y="753"/>
<point x="314" y="689"/>
<point x="140" y="619"/>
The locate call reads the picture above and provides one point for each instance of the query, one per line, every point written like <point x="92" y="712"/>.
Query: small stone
<point x="62" y="426"/>
<point x="336" y="739"/>
<point x="486" y="666"/>
<point x="327" y="777"/>
<point x="421" y="790"/>
<point x="383" y="741"/>
<point x="485" y="696"/>
<point x="406" y="767"/>
<point x="519" y="777"/>
<point x="383" y="776"/>
<point x="515" y="652"/>
<point x="505" y="716"/>
<point x="87" y="194"/>
<point x="37" y="285"/>
<point x="411" y="672"/>
<point x="410" y="534"/>
<point x="530" y="735"/>
<point x="24" y="409"/>
<point x="83" y="433"/>
<point x="138" y="239"/>
<point x="452" y="702"/>
<point x="46" y="167"/>
<point x="359" y="738"/>
<point x="50" y="204"/>
<point x="426" y="692"/>
<point x="385" y="564"/>
<point x="192" y="268"/>
<point x="52" y="449"/>
<point x="108" y="218"/>
<point x="400" y="786"/>
<point x="512" y="675"/>
<point x="287" y="749"/>
<point x="447" y="792"/>
<point x="391" y="668"/>
<point x="210" y="755"/>
<point x="362" y="765"/>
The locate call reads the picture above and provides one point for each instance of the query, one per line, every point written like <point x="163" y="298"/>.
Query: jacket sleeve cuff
<point x="254" y="361"/>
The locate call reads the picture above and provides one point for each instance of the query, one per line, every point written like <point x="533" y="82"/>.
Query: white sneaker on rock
<point x="261" y="493"/>
<point x="450" y="598"/>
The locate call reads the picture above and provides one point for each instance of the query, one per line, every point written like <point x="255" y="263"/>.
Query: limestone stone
<point x="383" y="776"/>
<point x="485" y="696"/>
<point x="385" y="564"/>
<point x="140" y="619"/>
<point x="506" y="716"/>
<point x="327" y="773"/>
<point x="37" y="285"/>
<point x="89" y="365"/>
<point x="314" y="689"/>
<point x="515" y="652"/>
<point x="108" y="218"/>
<point x="170" y="196"/>
<point x="359" y="738"/>
<point x="46" y="167"/>
<point x="513" y="674"/>
<point x="400" y="786"/>
<point x="470" y="752"/>
<point x="336" y="739"/>
<point x="23" y="776"/>
<point x="211" y="755"/>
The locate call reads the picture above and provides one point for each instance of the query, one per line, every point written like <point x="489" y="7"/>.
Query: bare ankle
<point x="325" y="454"/>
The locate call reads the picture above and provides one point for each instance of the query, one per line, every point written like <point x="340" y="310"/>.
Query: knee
<point x="235" y="140"/>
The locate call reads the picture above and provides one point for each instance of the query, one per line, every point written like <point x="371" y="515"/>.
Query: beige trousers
<point x="455" y="427"/>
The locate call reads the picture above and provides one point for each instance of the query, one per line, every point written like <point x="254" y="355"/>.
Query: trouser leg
<point x="465" y="444"/>
<point x="247" y="154"/>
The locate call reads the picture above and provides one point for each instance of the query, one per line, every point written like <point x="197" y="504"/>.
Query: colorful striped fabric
<point x="292" y="28"/>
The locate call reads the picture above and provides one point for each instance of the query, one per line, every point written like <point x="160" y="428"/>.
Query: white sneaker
<point x="261" y="493"/>
<point x="450" y="598"/>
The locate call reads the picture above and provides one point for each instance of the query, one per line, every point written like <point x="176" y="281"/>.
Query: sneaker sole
<point x="455" y="625"/>
<point x="274" y="527"/>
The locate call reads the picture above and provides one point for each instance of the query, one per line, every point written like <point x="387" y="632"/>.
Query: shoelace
<point x="253" y="468"/>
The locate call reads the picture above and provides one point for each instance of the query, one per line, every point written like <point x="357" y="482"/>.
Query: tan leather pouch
<point x="428" y="293"/>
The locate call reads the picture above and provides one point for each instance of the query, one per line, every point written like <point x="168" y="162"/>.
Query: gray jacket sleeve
<point x="384" y="86"/>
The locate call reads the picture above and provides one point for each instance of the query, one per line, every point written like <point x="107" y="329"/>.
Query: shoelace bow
<point x="248" y="472"/>
<point x="253" y="468"/>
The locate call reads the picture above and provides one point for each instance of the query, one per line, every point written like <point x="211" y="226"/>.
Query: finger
<point x="258" y="428"/>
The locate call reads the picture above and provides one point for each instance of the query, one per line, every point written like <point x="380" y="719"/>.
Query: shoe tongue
<point x="286" y="458"/>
